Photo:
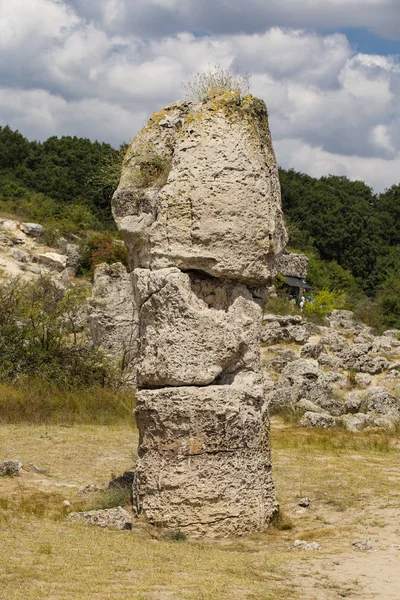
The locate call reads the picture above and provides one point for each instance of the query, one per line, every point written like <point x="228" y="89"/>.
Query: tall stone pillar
<point x="199" y="207"/>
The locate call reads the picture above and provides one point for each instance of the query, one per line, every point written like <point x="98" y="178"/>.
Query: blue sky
<point x="364" y="40"/>
<point x="329" y="71"/>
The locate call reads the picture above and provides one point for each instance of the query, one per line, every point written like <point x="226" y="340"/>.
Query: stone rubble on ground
<point x="364" y="546"/>
<point x="304" y="502"/>
<point x="113" y="518"/>
<point x="302" y="545"/>
<point x="90" y="488"/>
<point x="336" y="377"/>
<point x="10" y="468"/>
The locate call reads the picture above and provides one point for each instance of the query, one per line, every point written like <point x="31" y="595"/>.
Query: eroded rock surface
<point x="199" y="207"/>
<point x="337" y="378"/>
<point x="219" y="209"/>
<point x="205" y="452"/>
<point x="113" y="518"/>
<point x="112" y="315"/>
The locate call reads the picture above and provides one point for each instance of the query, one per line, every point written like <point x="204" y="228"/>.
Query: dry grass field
<point x="352" y="480"/>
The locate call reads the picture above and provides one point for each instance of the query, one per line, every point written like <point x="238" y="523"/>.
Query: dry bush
<point x="217" y="77"/>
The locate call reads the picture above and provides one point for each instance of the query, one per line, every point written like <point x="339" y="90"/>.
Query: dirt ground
<point x="352" y="481"/>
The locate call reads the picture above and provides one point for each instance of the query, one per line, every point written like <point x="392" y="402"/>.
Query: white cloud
<point x="331" y="109"/>
<point x="168" y="17"/>
<point x="39" y="114"/>
<point x="23" y="22"/>
<point x="379" y="173"/>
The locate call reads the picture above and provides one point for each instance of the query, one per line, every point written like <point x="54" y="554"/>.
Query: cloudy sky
<point x="329" y="71"/>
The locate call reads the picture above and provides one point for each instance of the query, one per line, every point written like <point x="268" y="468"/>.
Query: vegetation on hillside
<point x="352" y="238"/>
<point x="350" y="234"/>
<point x="63" y="182"/>
<point x="42" y="333"/>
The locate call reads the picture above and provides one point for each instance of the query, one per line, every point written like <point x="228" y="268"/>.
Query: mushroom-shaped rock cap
<point x="199" y="190"/>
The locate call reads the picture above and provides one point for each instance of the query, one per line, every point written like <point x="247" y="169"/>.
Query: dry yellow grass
<point x="352" y="482"/>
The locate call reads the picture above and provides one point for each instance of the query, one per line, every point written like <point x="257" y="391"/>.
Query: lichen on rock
<point x="219" y="211"/>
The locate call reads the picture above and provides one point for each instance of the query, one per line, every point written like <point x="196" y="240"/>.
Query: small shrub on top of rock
<point x="216" y="77"/>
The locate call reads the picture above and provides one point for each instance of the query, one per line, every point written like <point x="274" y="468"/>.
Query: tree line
<point x="352" y="237"/>
<point x="350" y="233"/>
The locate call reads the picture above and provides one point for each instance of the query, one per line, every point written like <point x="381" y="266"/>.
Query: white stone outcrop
<point x="53" y="260"/>
<point x="219" y="210"/>
<point x="112" y="315"/>
<point x="198" y="205"/>
<point x="291" y="264"/>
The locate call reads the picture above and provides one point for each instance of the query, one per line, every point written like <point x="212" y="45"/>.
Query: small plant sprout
<point x="217" y="77"/>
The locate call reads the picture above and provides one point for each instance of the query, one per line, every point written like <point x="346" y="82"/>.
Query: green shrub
<point x="99" y="247"/>
<point x="323" y="304"/>
<point x="175" y="535"/>
<point x="40" y="334"/>
<point x="281" y="306"/>
<point x="108" y="498"/>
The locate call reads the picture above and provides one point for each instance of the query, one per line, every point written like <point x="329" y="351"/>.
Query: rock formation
<point x="290" y="264"/>
<point x="332" y="376"/>
<point x="199" y="207"/>
<point x="112" y="316"/>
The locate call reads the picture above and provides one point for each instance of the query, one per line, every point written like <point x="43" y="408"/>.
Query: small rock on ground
<point x="114" y="518"/>
<point x="10" y="468"/>
<point x="306" y="546"/>
<point x="304" y="502"/>
<point x="364" y="546"/>
<point x="88" y="489"/>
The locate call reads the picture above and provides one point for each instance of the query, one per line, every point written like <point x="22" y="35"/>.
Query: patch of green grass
<point x="175" y="535"/>
<point x="37" y="401"/>
<point x="335" y="441"/>
<point x="108" y="498"/>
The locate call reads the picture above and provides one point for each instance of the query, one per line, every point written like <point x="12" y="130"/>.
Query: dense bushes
<point x="100" y="247"/>
<point x="352" y="238"/>
<point x="65" y="182"/>
<point x="41" y="336"/>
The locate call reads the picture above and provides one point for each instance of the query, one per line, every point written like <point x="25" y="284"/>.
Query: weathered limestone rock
<point x="305" y="546"/>
<point x="219" y="209"/>
<point x="113" y="518"/>
<point x="198" y="205"/>
<point x="73" y="257"/>
<point x="321" y="420"/>
<point x="205" y="454"/>
<point x="32" y="229"/>
<point x="303" y="380"/>
<point x="312" y="350"/>
<point x="53" y="260"/>
<point x="112" y="315"/>
<point x="342" y="319"/>
<point x="194" y="329"/>
<point x="290" y="264"/>
<point x="10" y="468"/>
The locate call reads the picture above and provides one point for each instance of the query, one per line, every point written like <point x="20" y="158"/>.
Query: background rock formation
<point x="199" y="207"/>
<point x="112" y="316"/>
